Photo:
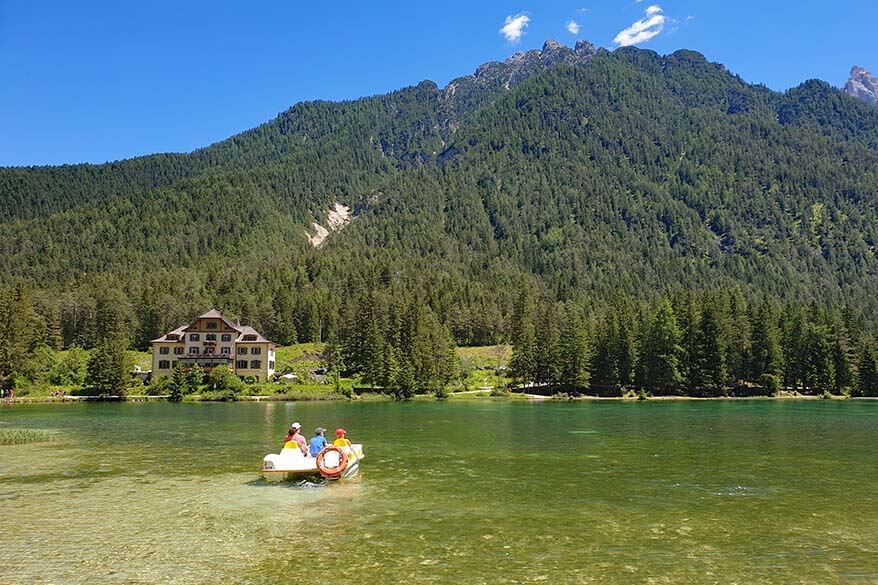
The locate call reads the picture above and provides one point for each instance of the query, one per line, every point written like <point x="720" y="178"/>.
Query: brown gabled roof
<point x="214" y="314"/>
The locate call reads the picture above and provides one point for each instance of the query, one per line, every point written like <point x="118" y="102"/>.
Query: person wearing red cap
<point x="340" y="440"/>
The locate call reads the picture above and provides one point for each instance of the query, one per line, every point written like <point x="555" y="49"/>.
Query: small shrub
<point x="770" y="383"/>
<point x="219" y="396"/>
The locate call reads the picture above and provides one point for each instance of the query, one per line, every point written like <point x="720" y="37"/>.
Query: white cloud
<point x="513" y="27"/>
<point x="644" y="29"/>
<point x="573" y="27"/>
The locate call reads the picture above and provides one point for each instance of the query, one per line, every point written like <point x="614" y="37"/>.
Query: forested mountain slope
<point x="586" y="175"/>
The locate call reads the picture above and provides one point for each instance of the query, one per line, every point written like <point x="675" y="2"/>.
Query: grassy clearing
<point x="301" y="352"/>
<point x="23" y="436"/>
<point x="485" y="366"/>
<point x="492" y="355"/>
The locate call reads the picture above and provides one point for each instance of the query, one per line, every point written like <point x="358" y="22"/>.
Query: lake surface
<point x="479" y="492"/>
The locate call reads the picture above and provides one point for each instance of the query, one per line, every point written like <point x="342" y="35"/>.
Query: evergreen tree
<point x="658" y="360"/>
<point x="16" y="334"/>
<point x="106" y="374"/>
<point x="606" y="353"/>
<point x="574" y="350"/>
<point x="867" y="373"/>
<point x="710" y="357"/>
<point x="179" y="385"/>
<point x="626" y="353"/>
<point x="765" y="357"/>
<point x="842" y="359"/>
<point x="818" y="372"/>
<point x="107" y="369"/>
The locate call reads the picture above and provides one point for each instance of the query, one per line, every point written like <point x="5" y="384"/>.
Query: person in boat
<point x="340" y="439"/>
<point x="318" y="441"/>
<point x="295" y="435"/>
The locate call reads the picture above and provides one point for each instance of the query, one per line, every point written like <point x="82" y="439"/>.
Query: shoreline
<point x="424" y="398"/>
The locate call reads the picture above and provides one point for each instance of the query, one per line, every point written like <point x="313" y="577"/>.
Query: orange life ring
<point x="332" y="472"/>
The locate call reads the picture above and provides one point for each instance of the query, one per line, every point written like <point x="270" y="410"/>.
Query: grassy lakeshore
<point x="483" y="375"/>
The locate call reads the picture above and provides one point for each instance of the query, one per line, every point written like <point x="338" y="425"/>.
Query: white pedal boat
<point x="331" y="463"/>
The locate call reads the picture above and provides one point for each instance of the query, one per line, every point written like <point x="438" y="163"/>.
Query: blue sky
<point x="96" y="80"/>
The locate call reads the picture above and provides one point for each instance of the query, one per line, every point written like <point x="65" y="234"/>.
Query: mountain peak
<point x="862" y="85"/>
<point x="551" y="45"/>
<point x="517" y="68"/>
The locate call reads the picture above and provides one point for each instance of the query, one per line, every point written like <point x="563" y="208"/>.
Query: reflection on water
<point x="449" y="493"/>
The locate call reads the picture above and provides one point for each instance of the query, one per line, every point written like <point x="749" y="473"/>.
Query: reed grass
<point x="22" y="436"/>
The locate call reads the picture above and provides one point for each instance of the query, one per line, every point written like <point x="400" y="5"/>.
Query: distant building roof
<point x="214" y="314"/>
<point x="243" y="330"/>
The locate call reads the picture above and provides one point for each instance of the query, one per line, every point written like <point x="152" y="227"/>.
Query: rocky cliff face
<point x="468" y="91"/>
<point x="862" y="85"/>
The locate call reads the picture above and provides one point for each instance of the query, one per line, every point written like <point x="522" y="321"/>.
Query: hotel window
<point x="270" y="365"/>
<point x="178" y="351"/>
<point x="225" y="350"/>
<point x="242" y="351"/>
<point x="194" y="337"/>
<point x="210" y="337"/>
<point x="227" y="337"/>
<point x="193" y="351"/>
<point x="256" y="350"/>
<point x="208" y="351"/>
<point x="255" y="364"/>
<point x="164" y="365"/>
<point x="241" y="364"/>
<point x="211" y="324"/>
<point x="164" y="350"/>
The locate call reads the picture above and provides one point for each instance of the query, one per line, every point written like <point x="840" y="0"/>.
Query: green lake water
<point x="480" y="492"/>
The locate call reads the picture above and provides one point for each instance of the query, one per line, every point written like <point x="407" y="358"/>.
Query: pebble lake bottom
<point x="472" y="492"/>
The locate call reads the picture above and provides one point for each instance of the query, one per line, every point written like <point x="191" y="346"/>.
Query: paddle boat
<point x="331" y="463"/>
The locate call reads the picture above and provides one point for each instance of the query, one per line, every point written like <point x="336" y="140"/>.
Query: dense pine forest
<point x="625" y="220"/>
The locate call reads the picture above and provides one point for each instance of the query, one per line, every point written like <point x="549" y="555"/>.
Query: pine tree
<point x="765" y="359"/>
<point x="574" y="350"/>
<point x="626" y="353"/>
<point x="523" y="362"/>
<point x="658" y="362"/>
<point x="105" y="373"/>
<point x="605" y="358"/>
<point x="818" y="372"/>
<point x="179" y="385"/>
<point x="16" y="334"/>
<point x="842" y="359"/>
<point x="867" y="374"/>
<point x="710" y="356"/>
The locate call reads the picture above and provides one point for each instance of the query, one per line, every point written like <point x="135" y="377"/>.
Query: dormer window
<point x="211" y="324"/>
<point x="248" y="337"/>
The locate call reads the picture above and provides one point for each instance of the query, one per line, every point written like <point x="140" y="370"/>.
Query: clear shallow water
<point x="700" y="492"/>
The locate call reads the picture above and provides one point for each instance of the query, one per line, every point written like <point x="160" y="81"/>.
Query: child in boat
<point x="340" y="440"/>
<point x="295" y="436"/>
<point x="318" y="441"/>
